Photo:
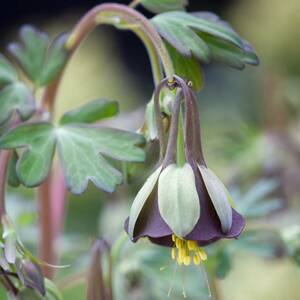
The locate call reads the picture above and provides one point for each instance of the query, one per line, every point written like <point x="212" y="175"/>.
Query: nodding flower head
<point x="183" y="204"/>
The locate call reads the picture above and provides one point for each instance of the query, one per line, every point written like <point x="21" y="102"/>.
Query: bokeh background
<point x="250" y="127"/>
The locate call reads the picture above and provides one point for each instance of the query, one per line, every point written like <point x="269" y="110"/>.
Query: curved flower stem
<point x="123" y="17"/>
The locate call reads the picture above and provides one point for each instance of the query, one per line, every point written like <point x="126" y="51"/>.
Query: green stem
<point x="180" y="143"/>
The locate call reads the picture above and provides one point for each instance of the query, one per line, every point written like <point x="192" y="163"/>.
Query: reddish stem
<point x="4" y="159"/>
<point x="46" y="246"/>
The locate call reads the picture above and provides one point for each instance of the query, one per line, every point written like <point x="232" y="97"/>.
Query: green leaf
<point x="79" y="147"/>
<point x="219" y="197"/>
<point x="258" y="201"/>
<point x="217" y="39"/>
<point x="34" y="163"/>
<point x="224" y="264"/>
<point x="229" y="54"/>
<point x="184" y="39"/>
<point x="29" y="294"/>
<point x="91" y="112"/>
<point x="178" y="199"/>
<point x="8" y="73"/>
<point x="158" y="6"/>
<point x="52" y="292"/>
<point x="13" y="179"/>
<point x="40" y="60"/>
<point x="200" y="24"/>
<point x="187" y="68"/>
<point x="141" y="199"/>
<point x="16" y="97"/>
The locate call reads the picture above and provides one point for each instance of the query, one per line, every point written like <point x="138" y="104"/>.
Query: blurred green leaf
<point x="13" y="179"/>
<point x="40" y="60"/>
<point x="158" y="6"/>
<point x="8" y="73"/>
<point x="257" y="202"/>
<point x="16" y="97"/>
<point x="79" y="147"/>
<point x="223" y="264"/>
<point x="229" y="54"/>
<point x="52" y="292"/>
<point x="91" y="112"/>
<point x="187" y="67"/>
<point x="261" y="242"/>
<point x="206" y="37"/>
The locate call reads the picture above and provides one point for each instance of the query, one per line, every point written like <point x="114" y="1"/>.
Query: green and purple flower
<point x="183" y="204"/>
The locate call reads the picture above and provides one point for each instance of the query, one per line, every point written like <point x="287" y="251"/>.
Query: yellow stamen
<point x="185" y="250"/>
<point x="192" y="245"/>
<point x="173" y="253"/>
<point x="202" y="254"/>
<point x="187" y="260"/>
<point x="196" y="260"/>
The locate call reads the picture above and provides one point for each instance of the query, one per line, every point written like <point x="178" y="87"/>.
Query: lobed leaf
<point x="178" y="199"/>
<point x="16" y="97"/>
<point x="80" y="148"/>
<point x="201" y="24"/>
<point x="206" y="37"/>
<point x="39" y="59"/>
<point x="228" y="54"/>
<point x="184" y="39"/>
<point x="8" y="73"/>
<point x="158" y="6"/>
<point x="91" y="112"/>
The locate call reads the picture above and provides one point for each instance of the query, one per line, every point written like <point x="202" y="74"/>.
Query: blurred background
<point x="250" y="126"/>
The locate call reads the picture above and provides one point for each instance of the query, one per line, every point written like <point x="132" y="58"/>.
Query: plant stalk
<point x="4" y="160"/>
<point x="47" y="251"/>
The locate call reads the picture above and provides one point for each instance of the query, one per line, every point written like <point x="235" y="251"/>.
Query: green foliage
<point x="91" y="112"/>
<point x="52" y="293"/>
<point x="14" y="95"/>
<point x="8" y="73"/>
<point x="79" y="147"/>
<point x="40" y="60"/>
<point x="187" y="67"/>
<point x="205" y="37"/>
<point x="158" y="6"/>
<point x="257" y="202"/>
<point x="178" y="199"/>
<point x="13" y="179"/>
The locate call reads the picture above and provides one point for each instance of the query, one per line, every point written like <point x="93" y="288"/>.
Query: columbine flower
<point x="184" y="205"/>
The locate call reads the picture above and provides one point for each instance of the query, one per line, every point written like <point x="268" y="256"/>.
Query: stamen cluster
<point x="187" y="251"/>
